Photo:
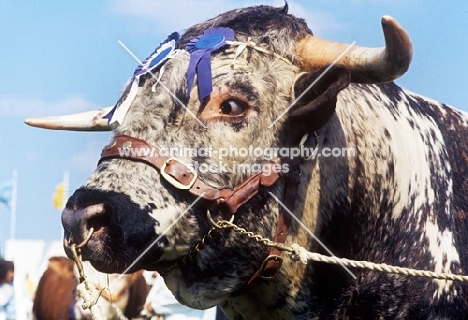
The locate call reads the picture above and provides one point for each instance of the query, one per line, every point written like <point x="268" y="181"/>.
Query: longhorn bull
<point x="262" y="79"/>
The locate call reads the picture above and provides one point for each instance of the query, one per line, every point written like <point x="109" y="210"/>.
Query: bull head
<point x="366" y="65"/>
<point x="126" y="207"/>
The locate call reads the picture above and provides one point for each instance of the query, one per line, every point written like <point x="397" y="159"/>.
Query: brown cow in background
<point x="56" y="299"/>
<point x="55" y="294"/>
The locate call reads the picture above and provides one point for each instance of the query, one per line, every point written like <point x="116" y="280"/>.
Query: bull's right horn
<point x="85" y="121"/>
<point x="366" y="65"/>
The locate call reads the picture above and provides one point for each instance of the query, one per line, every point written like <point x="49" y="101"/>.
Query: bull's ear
<point x="316" y="104"/>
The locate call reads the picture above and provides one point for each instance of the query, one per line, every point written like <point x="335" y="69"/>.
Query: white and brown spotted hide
<point x="400" y="198"/>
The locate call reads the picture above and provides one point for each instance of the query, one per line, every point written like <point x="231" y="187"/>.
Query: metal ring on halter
<point x="304" y="140"/>
<point x="213" y="223"/>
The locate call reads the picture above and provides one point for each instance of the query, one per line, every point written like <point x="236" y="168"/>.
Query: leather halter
<point x="182" y="176"/>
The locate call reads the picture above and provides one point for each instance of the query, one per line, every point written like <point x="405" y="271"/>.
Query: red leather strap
<point x="272" y="263"/>
<point x="230" y="200"/>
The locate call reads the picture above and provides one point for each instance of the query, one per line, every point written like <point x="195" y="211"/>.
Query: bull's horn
<point x="85" y="121"/>
<point x="367" y="65"/>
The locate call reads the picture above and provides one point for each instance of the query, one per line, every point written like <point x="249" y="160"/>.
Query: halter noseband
<point x="184" y="177"/>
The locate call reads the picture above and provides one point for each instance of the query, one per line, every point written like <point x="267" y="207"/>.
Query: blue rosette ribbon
<point x="200" y="50"/>
<point x="160" y="55"/>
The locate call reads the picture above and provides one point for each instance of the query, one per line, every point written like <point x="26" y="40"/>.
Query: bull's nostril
<point x="80" y="224"/>
<point x="99" y="221"/>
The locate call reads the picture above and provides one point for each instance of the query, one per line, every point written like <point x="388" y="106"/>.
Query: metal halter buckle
<point x="172" y="180"/>
<point x="264" y="263"/>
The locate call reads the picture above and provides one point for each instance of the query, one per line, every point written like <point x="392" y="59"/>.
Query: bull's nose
<point x="80" y="223"/>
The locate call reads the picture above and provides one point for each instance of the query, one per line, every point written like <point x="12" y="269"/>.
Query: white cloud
<point x="319" y="22"/>
<point x="25" y="107"/>
<point x="86" y="159"/>
<point x="166" y="15"/>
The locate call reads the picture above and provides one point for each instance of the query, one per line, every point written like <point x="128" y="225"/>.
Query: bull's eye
<point x="232" y="107"/>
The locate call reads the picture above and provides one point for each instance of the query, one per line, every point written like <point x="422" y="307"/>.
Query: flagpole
<point x="66" y="177"/>
<point x="13" y="206"/>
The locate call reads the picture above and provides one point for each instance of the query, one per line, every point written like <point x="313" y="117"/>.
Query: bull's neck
<point x="275" y="299"/>
<point x="246" y="306"/>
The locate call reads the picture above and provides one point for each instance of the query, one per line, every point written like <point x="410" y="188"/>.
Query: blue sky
<point x="64" y="57"/>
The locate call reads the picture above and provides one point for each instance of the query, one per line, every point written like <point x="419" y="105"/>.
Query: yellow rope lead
<point x="87" y="290"/>
<point x="301" y="254"/>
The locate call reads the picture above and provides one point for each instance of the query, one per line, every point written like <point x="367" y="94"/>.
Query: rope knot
<point x="89" y="293"/>
<point x="299" y="253"/>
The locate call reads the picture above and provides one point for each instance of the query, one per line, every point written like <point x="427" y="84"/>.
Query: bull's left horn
<point x="85" y="121"/>
<point x="366" y="65"/>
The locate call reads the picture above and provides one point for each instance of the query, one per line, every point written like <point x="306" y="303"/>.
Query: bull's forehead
<point x="162" y="115"/>
<point x="161" y="107"/>
<point x="214" y="41"/>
